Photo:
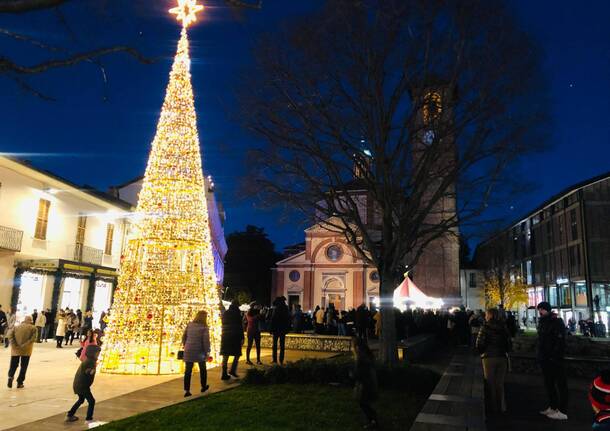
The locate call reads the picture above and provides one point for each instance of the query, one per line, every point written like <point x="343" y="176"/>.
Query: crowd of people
<point x="489" y="332"/>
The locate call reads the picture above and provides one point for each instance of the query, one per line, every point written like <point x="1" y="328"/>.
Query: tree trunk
<point x="387" y="341"/>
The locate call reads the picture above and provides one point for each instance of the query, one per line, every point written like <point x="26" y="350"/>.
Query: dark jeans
<point x="69" y="337"/>
<point x="369" y="411"/>
<point x="59" y="340"/>
<point x="282" y="338"/>
<point x="256" y="339"/>
<point x="38" y="334"/>
<point x="188" y="371"/>
<point x="25" y="361"/>
<point x="225" y="362"/>
<point x="81" y="399"/>
<point x="554" y="374"/>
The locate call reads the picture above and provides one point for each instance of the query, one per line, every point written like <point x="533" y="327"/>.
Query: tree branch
<point x="7" y="65"/>
<point x="23" y="6"/>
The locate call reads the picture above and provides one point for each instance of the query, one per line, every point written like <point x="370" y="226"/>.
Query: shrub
<point x="338" y="371"/>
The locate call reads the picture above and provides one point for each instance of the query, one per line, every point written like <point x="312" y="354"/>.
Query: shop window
<point x="42" y="220"/>
<point x="565" y="296"/>
<point x="553" y="296"/>
<point x="109" y="238"/>
<point x="580" y="294"/>
<point x="602" y="292"/>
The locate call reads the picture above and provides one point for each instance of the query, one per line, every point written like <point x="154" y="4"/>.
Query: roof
<point x="548" y="202"/>
<point x="82" y="188"/>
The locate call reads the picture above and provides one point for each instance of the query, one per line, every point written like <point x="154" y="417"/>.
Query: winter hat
<point x="544" y="305"/>
<point x="599" y="394"/>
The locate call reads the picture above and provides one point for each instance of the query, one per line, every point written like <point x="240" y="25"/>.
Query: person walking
<point x="22" y="339"/>
<point x="60" y="332"/>
<point x="196" y="342"/>
<point x="232" y="339"/>
<point x="40" y="323"/>
<point x="83" y="380"/>
<point x="366" y="388"/>
<point x="550" y="356"/>
<point x="254" y="333"/>
<point x="103" y="321"/>
<point x="280" y="325"/>
<point x="494" y="343"/>
<point x="11" y="319"/>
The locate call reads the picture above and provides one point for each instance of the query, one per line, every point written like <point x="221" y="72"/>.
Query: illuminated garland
<point x="167" y="272"/>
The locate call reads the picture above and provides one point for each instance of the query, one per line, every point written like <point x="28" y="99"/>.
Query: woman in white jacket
<point x="60" y="332"/>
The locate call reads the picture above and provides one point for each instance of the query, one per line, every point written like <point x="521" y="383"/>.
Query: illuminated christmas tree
<point x="167" y="270"/>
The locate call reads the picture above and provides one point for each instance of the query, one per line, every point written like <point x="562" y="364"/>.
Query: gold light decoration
<point x="167" y="271"/>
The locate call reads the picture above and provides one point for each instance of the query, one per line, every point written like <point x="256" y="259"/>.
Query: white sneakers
<point x="547" y="411"/>
<point x="554" y="414"/>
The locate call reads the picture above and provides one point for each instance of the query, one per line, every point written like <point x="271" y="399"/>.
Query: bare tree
<point x="431" y="103"/>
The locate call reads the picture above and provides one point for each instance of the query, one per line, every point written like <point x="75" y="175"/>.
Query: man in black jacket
<point x="551" y="351"/>
<point x="280" y="325"/>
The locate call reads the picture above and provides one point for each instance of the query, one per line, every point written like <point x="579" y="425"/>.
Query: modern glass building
<point x="561" y="251"/>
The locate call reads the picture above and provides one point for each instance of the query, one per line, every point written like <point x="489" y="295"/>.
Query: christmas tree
<point x="167" y="271"/>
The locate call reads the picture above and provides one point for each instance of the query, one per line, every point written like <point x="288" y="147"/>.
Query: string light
<point x="167" y="271"/>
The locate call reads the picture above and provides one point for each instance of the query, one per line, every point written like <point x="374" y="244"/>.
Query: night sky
<point x="98" y="142"/>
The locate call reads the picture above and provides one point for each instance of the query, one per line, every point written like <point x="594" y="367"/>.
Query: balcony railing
<point x="85" y="254"/>
<point x="10" y="239"/>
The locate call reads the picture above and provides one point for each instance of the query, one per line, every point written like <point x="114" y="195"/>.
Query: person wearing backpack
<point x="494" y="343"/>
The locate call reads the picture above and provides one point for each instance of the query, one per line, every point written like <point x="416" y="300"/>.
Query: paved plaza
<point x="48" y="395"/>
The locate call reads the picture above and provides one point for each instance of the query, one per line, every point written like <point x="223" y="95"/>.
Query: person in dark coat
<point x="232" y="339"/>
<point x="280" y="325"/>
<point x="494" y="343"/>
<point x="362" y="321"/>
<point x="366" y="388"/>
<point x="254" y="333"/>
<point x="196" y="342"/>
<point x="550" y="355"/>
<point x="82" y="384"/>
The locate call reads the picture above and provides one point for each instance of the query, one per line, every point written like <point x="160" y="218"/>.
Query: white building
<point x="60" y="244"/>
<point x="472" y="289"/>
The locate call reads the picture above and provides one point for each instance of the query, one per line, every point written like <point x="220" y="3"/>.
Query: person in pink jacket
<point x="91" y="339"/>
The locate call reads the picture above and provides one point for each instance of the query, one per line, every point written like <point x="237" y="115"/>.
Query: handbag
<point x="78" y="352"/>
<point x="180" y="355"/>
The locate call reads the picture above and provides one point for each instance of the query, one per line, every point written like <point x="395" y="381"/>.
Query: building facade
<point x="61" y="244"/>
<point x="327" y="271"/>
<point x="472" y="289"/>
<point x="561" y="251"/>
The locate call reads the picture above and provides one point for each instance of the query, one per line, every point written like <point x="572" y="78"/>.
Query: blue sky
<point x="100" y="142"/>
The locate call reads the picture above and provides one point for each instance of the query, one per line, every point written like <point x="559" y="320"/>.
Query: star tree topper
<point x="186" y="11"/>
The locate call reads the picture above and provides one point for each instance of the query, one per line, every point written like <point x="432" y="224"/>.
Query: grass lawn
<point x="277" y="407"/>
